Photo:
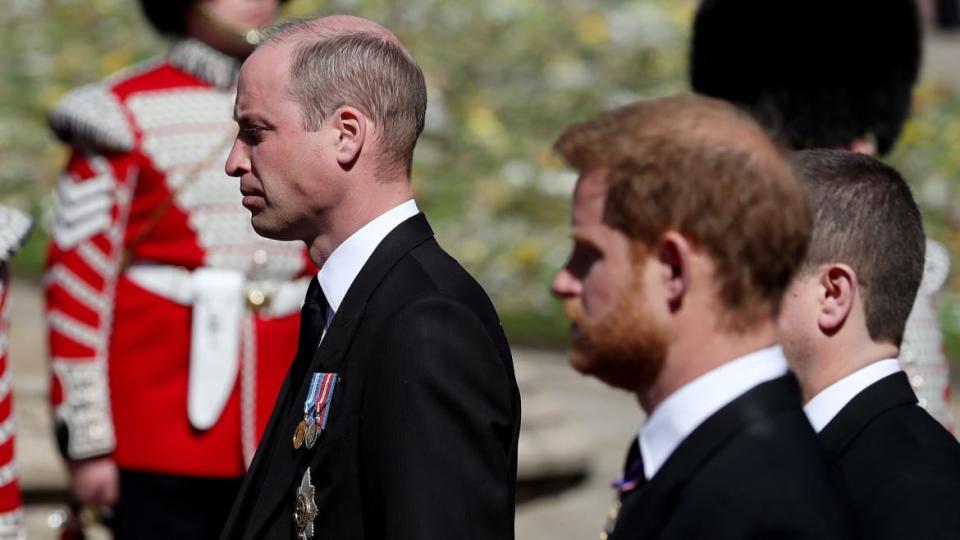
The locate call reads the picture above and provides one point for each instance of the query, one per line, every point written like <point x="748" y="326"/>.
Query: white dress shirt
<point x="343" y="265"/>
<point x="684" y="410"/>
<point x="825" y="405"/>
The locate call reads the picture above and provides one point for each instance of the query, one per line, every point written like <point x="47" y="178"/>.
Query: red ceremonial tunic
<point x="152" y="254"/>
<point x="14" y="226"/>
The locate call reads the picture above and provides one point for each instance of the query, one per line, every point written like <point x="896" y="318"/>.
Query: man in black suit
<point x="830" y="74"/>
<point x="403" y="422"/>
<point x="841" y="325"/>
<point x="687" y="225"/>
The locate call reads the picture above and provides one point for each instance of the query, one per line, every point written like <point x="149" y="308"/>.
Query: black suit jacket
<point x="900" y="466"/>
<point x="752" y="470"/>
<point x="421" y="440"/>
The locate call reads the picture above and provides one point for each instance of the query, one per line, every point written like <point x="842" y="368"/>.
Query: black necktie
<point x="633" y="474"/>
<point x="632" y="479"/>
<point x="312" y="318"/>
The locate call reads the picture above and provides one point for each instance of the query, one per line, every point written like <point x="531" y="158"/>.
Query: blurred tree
<point x="928" y="158"/>
<point x="46" y="48"/>
<point x="504" y="78"/>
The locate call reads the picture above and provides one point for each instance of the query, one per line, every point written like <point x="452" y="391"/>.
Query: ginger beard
<point x="625" y="348"/>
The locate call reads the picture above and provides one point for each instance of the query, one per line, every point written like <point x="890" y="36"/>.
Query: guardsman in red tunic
<point x="14" y="226"/>
<point x="171" y="322"/>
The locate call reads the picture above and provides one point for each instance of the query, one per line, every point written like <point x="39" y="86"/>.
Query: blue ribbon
<point x="312" y="395"/>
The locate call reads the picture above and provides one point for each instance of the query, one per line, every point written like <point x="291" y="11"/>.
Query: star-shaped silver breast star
<point x="306" y="508"/>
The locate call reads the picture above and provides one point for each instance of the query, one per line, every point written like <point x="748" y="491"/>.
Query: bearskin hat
<point x="169" y="16"/>
<point x="818" y="73"/>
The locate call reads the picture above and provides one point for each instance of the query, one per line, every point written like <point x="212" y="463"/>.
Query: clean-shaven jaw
<point x="822" y="326"/>
<point x="318" y="185"/>
<point x="248" y="125"/>
<point x="277" y="161"/>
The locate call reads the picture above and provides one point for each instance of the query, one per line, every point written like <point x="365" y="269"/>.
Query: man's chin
<point x="590" y="366"/>
<point x="580" y="362"/>
<point x="625" y="373"/>
<point x="268" y="230"/>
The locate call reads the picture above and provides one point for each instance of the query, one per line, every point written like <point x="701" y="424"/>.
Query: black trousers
<point x="157" y="506"/>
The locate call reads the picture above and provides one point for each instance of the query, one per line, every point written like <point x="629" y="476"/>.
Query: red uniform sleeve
<point x="84" y="258"/>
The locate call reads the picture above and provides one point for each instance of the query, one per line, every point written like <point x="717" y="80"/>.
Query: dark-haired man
<point x="171" y="321"/>
<point x="399" y="418"/>
<point x="672" y="288"/>
<point x="829" y="74"/>
<point x="841" y="325"/>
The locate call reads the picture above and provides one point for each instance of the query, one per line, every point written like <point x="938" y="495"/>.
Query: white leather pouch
<point x="214" y="347"/>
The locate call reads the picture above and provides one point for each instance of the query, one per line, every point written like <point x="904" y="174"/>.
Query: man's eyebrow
<point x="577" y="234"/>
<point x="244" y="117"/>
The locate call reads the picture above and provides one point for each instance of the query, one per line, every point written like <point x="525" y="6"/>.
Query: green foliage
<point x="928" y="159"/>
<point x="46" y="48"/>
<point x="950" y="323"/>
<point x="505" y="77"/>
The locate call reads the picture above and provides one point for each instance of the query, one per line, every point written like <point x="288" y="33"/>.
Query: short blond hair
<point x="362" y="68"/>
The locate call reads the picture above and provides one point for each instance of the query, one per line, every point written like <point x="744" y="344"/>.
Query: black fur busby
<point x="818" y="73"/>
<point x="169" y="16"/>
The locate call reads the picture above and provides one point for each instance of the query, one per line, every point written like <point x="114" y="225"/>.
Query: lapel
<point x="891" y="391"/>
<point x="281" y="460"/>
<point x="645" y="512"/>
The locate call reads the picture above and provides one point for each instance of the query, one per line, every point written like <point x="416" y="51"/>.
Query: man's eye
<point x="251" y="135"/>
<point x="582" y="259"/>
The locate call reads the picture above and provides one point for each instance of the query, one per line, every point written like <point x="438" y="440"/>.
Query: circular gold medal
<point x="312" y="434"/>
<point x="298" y="434"/>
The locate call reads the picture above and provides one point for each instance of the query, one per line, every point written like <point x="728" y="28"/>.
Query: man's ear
<point x="674" y="253"/>
<point x="351" y="126"/>
<point x="838" y="288"/>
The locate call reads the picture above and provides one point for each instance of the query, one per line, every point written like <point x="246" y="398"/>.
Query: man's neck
<point x="346" y="219"/>
<point x="695" y="353"/>
<point x="837" y="361"/>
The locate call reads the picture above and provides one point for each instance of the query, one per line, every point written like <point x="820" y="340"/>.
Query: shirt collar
<point x="199" y="59"/>
<point x="343" y="265"/>
<point x="684" y="410"/>
<point x="831" y="400"/>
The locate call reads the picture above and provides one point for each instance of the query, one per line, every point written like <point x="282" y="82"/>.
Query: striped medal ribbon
<point x="321" y="407"/>
<point x="303" y="430"/>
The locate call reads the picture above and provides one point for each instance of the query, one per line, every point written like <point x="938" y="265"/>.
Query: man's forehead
<point x="264" y="72"/>
<point x="589" y="197"/>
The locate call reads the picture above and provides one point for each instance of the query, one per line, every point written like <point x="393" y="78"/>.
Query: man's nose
<point x="565" y="285"/>
<point x="238" y="162"/>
